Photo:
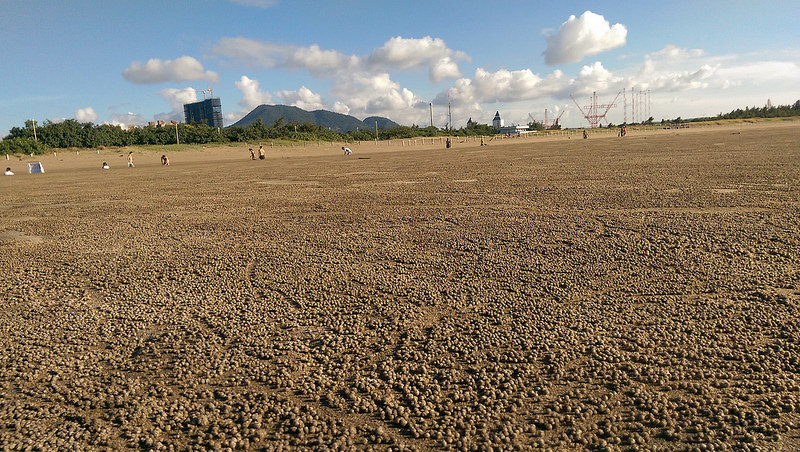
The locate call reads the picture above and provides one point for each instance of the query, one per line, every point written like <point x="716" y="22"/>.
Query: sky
<point x="130" y="62"/>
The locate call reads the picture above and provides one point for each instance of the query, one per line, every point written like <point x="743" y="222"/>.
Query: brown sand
<point x="610" y="293"/>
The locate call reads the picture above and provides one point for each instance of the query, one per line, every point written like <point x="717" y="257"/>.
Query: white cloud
<point x="341" y="107"/>
<point x="580" y="37"/>
<point x="248" y="52"/>
<point x="504" y="86"/>
<point x="264" y="4"/>
<point x="672" y="52"/>
<point x="177" y="97"/>
<point x="85" y="115"/>
<point x="252" y="96"/>
<point x="595" y="77"/>
<point x="178" y="70"/>
<point x="253" y="53"/>
<point x="316" y="60"/>
<point x="397" y="53"/>
<point x="406" y="53"/>
<point x="126" y="119"/>
<point x="443" y="69"/>
<point x="303" y="98"/>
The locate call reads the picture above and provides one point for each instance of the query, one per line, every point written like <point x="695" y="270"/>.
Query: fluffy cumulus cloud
<point x="373" y="94"/>
<point x="397" y="53"/>
<point x="86" y="115"/>
<point x="406" y="53"/>
<point x="254" y="53"/>
<point x="503" y="86"/>
<point x="680" y="81"/>
<point x="252" y="96"/>
<point x="317" y="60"/>
<point x="178" y="70"/>
<point x="595" y="77"/>
<point x="303" y="98"/>
<point x="177" y="97"/>
<point x="580" y="37"/>
<point x="341" y="107"/>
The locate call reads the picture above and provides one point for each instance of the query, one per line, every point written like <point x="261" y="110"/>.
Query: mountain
<point x="383" y="123"/>
<point x="323" y="118"/>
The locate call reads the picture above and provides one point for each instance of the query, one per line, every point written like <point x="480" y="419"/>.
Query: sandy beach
<point x="556" y="292"/>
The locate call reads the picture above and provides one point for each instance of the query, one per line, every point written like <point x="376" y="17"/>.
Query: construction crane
<point x="210" y="90"/>
<point x="548" y="123"/>
<point x="592" y="112"/>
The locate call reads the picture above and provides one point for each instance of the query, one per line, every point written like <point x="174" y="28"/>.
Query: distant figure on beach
<point x="252" y="154"/>
<point x="261" y="154"/>
<point x="164" y="160"/>
<point x="585" y="135"/>
<point x="8" y="172"/>
<point x="624" y="130"/>
<point x="130" y="159"/>
<point x="483" y="143"/>
<point x="347" y="151"/>
<point x="448" y="143"/>
<point x="105" y="166"/>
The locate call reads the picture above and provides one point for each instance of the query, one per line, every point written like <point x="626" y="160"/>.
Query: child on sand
<point x="164" y="160"/>
<point x="252" y="154"/>
<point x="8" y="172"/>
<point x="130" y="159"/>
<point x="347" y="151"/>
<point x="261" y="154"/>
<point x="105" y="166"/>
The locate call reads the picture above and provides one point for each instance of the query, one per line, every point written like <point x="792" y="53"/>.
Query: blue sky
<point x="126" y="62"/>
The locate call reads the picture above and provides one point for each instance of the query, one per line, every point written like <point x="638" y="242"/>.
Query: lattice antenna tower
<point x="592" y="111"/>
<point x="625" y="105"/>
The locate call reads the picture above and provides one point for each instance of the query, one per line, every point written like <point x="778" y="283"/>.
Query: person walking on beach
<point x="347" y="151"/>
<point x="261" y="154"/>
<point x="252" y="154"/>
<point x="585" y="135"/>
<point x="130" y="159"/>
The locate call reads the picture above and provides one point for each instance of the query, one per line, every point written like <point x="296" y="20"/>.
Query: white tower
<point x="497" y="123"/>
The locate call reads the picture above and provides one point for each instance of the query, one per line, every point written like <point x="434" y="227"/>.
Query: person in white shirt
<point x="347" y="151"/>
<point x="8" y="172"/>
<point x="105" y="166"/>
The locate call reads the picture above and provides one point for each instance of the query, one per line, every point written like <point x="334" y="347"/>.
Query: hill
<point x="323" y="118"/>
<point x="383" y="123"/>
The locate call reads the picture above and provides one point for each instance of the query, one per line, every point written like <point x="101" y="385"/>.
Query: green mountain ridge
<point x="323" y="118"/>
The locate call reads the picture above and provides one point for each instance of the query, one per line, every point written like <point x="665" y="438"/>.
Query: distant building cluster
<point x="498" y="125"/>
<point x="208" y="111"/>
<point x="161" y="124"/>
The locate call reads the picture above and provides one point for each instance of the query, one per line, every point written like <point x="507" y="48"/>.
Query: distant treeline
<point x="71" y="133"/>
<point x="779" y="111"/>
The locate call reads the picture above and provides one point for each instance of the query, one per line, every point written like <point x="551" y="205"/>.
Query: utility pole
<point x="449" y="115"/>
<point x="376" y="133"/>
<point x="34" y="130"/>
<point x="177" y="140"/>
<point x="431" y="105"/>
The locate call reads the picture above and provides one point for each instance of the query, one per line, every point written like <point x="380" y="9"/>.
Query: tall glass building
<point x="207" y="111"/>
